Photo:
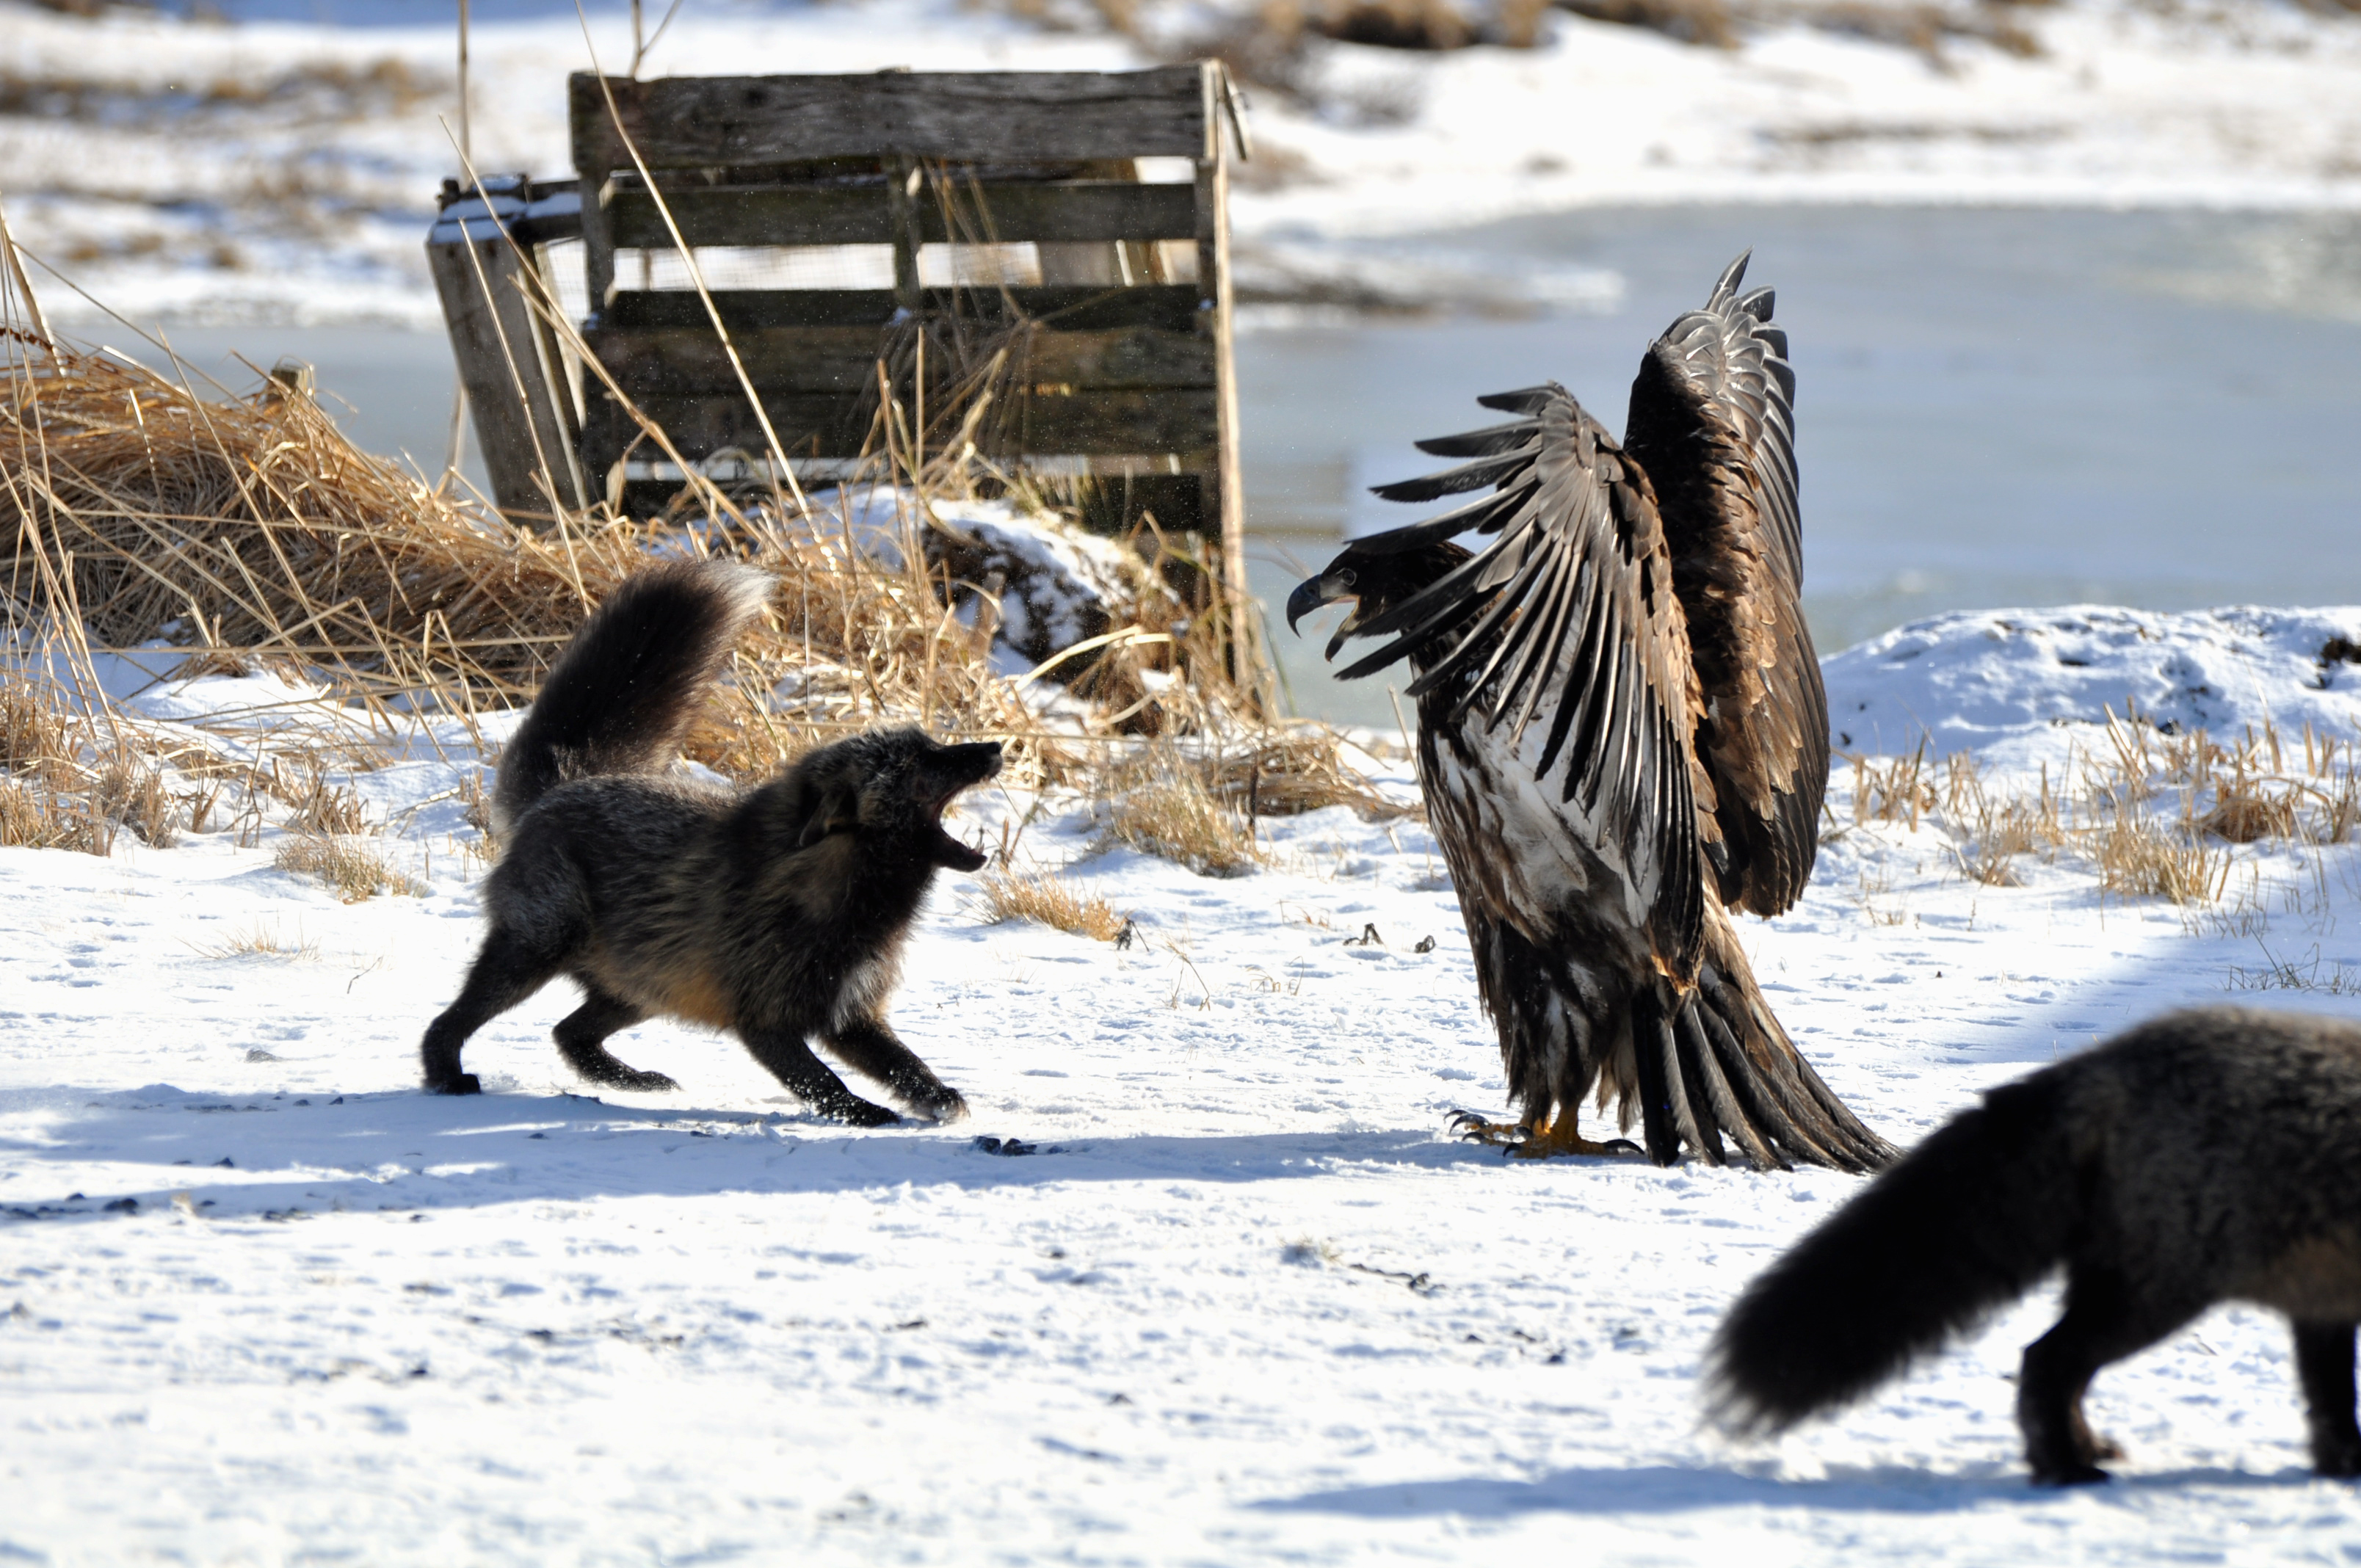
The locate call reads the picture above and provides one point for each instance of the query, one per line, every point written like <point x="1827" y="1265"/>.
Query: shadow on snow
<point x="242" y="1155"/>
<point x="1671" y="1489"/>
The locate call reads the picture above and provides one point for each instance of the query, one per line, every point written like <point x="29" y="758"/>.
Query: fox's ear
<point x="837" y="811"/>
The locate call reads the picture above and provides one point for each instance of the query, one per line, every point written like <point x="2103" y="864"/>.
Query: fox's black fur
<point x="2207" y="1155"/>
<point x="777" y="914"/>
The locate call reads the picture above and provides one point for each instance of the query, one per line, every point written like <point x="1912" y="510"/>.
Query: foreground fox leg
<point x="2103" y="1324"/>
<point x="2323" y="1362"/>
<point x="505" y="972"/>
<point x="582" y="1041"/>
<point x="792" y="1063"/>
<point x="1545" y="1138"/>
<point x="868" y="1047"/>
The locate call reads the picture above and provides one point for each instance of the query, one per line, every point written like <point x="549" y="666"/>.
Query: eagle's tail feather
<point x="1705" y="1043"/>
<point x="1713" y="1060"/>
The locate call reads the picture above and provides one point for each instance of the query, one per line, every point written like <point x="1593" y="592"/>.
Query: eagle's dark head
<point x="1374" y="579"/>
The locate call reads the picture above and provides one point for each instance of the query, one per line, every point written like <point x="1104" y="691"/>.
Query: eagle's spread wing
<point x="1713" y="423"/>
<point x="1562" y="642"/>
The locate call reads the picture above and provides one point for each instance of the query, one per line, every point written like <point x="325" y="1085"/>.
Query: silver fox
<point x="2205" y="1157"/>
<point x="778" y="914"/>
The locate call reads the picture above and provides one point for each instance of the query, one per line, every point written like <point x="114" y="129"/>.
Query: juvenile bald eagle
<point x="1623" y="736"/>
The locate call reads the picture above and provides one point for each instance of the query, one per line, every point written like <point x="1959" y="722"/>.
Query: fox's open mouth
<point x="970" y="765"/>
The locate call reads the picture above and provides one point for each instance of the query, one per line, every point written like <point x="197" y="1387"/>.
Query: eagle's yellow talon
<point x="1499" y="1134"/>
<point x="1523" y="1142"/>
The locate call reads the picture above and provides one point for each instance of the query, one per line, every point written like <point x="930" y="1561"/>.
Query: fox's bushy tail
<point x="1968" y="1221"/>
<point x="620" y="699"/>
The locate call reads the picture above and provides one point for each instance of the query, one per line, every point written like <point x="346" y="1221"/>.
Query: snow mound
<point x="1060" y="585"/>
<point x="2012" y="685"/>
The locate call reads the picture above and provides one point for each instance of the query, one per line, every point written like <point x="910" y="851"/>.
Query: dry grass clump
<point x="1049" y="901"/>
<point x="1989" y="836"/>
<point x="2280" y="973"/>
<point x="2154" y="813"/>
<point x="50" y="798"/>
<point x="242" y="527"/>
<point x="1285" y="773"/>
<point x="317" y="806"/>
<point x="2139" y="857"/>
<point x="1898" y="790"/>
<point x="2244" y="812"/>
<point x="351" y="869"/>
<point x="1160" y="806"/>
<point x="130" y="791"/>
<point x="33" y="817"/>
<point x="1706" y="22"/>
<point x="315" y="90"/>
<point x="260" y="941"/>
<point x="32" y="732"/>
<point x="1923" y="28"/>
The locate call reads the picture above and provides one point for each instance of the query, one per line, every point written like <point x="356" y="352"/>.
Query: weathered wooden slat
<point x="1168" y="307"/>
<point x="1213" y="267"/>
<point x="754" y="215"/>
<point x="1176" y="501"/>
<point x="1183" y="421"/>
<point x="678" y="361"/>
<point x="693" y="122"/>
<point x="516" y="384"/>
<point x="806" y="214"/>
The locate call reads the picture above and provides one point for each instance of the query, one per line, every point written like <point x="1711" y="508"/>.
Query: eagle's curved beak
<point x="1312" y="593"/>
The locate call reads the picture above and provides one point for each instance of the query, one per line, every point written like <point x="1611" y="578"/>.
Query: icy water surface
<point x="1996" y="407"/>
<point x="1993" y="407"/>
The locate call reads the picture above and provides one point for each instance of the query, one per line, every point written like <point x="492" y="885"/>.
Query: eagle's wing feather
<point x="1563" y="643"/>
<point x="1712" y="421"/>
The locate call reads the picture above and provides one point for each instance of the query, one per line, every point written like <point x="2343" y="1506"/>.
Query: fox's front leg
<point x="783" y="1050"/>
<point x="2323" y="1362"/>
<point x="508" y="969"/>
<point x="868" y="1047"/>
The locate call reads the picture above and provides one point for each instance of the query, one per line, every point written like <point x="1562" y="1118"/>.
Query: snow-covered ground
<point x="277" y="169"/>
<point x="1244" y="1301"/>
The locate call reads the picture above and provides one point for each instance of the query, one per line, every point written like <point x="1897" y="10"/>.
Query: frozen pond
<point x="1996" y="407"/>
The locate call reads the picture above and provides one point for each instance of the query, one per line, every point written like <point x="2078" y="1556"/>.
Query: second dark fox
<point x="778" y="914"/>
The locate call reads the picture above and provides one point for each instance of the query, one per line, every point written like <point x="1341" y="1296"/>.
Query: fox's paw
<point x="644" y="1081"/>
<point x="859" y="1112"/>
<point x="2339" y="1458"/>
<point x="2072" y="1475"/>
<point x="458" y="1083"/>
<point x="943" y="1103"/>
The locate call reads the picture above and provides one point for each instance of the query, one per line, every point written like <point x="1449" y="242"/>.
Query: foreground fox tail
<point x="620" y="699"/>
<point x="1966" y="1222"/>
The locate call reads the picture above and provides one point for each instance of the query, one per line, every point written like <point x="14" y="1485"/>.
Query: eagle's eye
<point x="1346" y="578"/>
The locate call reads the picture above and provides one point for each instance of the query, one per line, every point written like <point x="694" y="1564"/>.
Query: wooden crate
<point x="1114" y="368"/>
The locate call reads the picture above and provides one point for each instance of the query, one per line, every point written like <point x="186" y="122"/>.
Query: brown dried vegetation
<point x="248" y="532"/>
<point x="2154" y="815"/>
<point x="1050" y="901"/>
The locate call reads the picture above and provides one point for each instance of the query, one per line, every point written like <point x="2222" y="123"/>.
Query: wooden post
<point x="1213" y="276"/>
<point x="513" y="389"/>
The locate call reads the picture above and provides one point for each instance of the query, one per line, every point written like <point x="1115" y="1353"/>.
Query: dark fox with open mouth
<point x="778" y="914"/>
